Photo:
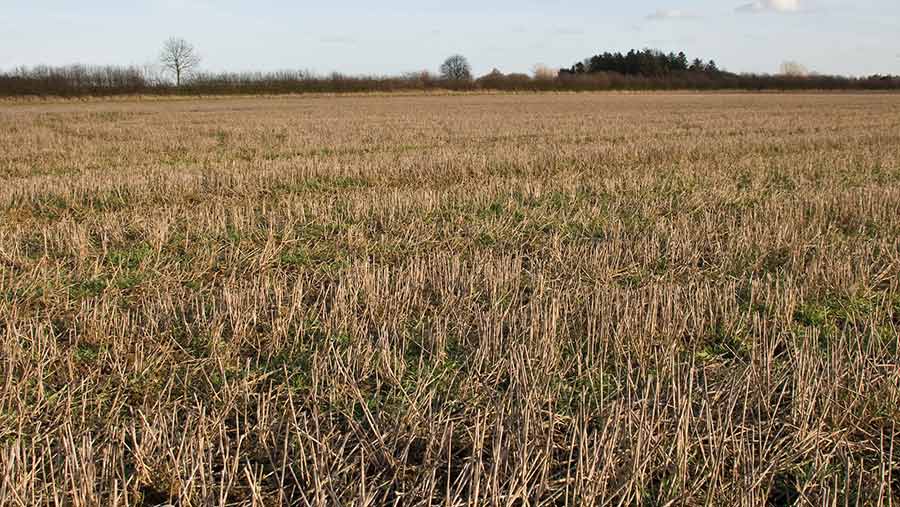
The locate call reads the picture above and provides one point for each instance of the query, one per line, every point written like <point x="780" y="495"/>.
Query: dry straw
<point x="473" y="300"/>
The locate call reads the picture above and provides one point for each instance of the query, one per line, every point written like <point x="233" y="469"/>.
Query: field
<point x="543" y="300"/>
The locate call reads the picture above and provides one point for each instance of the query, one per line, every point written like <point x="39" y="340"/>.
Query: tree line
<point x="648" y="69"/>
<point x="648" y="62"/>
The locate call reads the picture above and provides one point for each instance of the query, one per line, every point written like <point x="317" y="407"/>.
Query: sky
<point x="848" y="37"/>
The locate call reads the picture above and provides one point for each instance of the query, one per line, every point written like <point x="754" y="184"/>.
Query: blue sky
<point x="364" y="37"/>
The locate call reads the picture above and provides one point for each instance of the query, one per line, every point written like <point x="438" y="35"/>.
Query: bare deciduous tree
<point x="793" y="69"/>
<point x="544" y="73"/>
<point x="456" y="68"/>
<point x="179" y="57"/>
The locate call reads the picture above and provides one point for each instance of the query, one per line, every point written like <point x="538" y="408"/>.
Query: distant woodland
<point x="635" y="70"/>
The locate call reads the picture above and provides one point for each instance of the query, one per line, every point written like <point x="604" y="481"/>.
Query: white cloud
<point x="185" y="4"/>
<point x="661" y="14"/>
<point x="771" y="6"/>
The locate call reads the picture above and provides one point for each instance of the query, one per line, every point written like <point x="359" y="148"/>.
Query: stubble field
<point x="463" y="300"/>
